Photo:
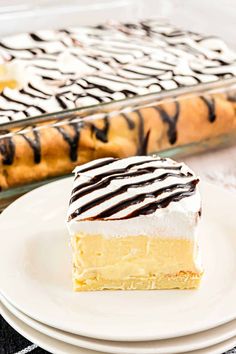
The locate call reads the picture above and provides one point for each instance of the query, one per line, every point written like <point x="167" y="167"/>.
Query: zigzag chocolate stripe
<point x="128" y="187"/>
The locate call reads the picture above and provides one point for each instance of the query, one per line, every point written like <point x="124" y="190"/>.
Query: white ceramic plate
<point x="166" y="346"/>
<point x="35" y="274"/>
<point x="57" y="347"/>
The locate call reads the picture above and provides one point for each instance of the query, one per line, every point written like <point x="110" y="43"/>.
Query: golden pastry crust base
<point x="181" y="280"/>
<point x="192" y="125"/>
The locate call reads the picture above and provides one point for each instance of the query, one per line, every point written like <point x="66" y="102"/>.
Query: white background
<point x="207" y="16"/>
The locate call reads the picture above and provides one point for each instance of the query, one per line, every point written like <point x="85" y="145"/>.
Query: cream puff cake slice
<point x="133" y="225"/>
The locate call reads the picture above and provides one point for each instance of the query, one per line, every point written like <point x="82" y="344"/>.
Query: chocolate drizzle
<point x="61" y="102"/>
<point x="34" y="144"/>
<point x="101" y="133"/>
<point x="210" y="103"/>
<point x="129" y="121"/>
<point x="103" y="162"/>
<point x="153" y="206"/>
<point x="72" y="140"/>
<point x="35" y="37"/>
<point x="120" y="190"/>
<point x="136" y="182"/>
<point x="170" y="120"/>
<point x="11" y="100"/>
<point x="113" y="176"/>
<point x="7" y="148"/>
<point x="142" y="137"/>
<point x="110" y="172"/>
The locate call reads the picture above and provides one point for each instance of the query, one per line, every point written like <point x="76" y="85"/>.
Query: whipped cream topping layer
<point x="83" y="66"/>
<point x="141" y="195"/>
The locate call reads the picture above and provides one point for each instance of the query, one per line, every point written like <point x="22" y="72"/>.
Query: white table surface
<point x="216" y="166"/>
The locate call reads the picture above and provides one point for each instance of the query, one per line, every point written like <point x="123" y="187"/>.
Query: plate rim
<point x="33" y="337"/>
<point x="11" y="319"/>
<point x="38" y="326"/>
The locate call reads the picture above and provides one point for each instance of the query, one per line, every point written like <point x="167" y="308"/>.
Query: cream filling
<point x="95" y="257"/>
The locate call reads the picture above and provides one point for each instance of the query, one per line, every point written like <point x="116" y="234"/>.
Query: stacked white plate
<point x="38" y="301"/>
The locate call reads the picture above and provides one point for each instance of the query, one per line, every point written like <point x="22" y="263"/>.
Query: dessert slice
<point x="133" y="225"/>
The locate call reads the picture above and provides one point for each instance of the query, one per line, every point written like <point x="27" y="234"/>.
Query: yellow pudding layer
<point x="133" y="262"/>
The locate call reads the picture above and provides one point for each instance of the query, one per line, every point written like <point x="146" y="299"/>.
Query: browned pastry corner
<point x="42" y="152"/>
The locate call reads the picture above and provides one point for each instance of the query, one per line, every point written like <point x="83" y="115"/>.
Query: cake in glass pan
<point x="89" y="66"/>
<point x="133" y="225"/>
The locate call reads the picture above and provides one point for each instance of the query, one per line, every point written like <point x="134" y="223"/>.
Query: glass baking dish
<point x="123" y="128"/>
<point x="173" y="122"/>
